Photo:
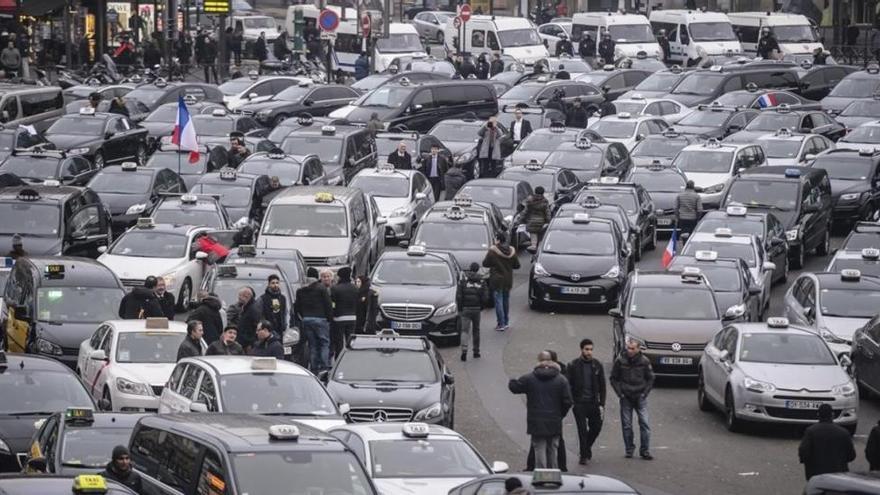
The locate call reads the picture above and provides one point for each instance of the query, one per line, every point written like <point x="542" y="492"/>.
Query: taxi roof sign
<point x="691" y="274"/>
<point x="580" y="218"/>
<point x="777" y="322"/>
<point x="455" y="213"/>
<point x="324" y="197"/>
<point x="870" y="253"/>
<point x="79" y="415"/>
<point x="54" y="271"/>
<point x="28" y="194"/>
<point x="534" y="165"/>
<point x="783" y="108"/>
<point x="284" y="432"/>
<point x="145" y="223"/>
<point x="583" y="143"/>
<point x="609" y="180"/>
<point x="792" y="172"/>
<point x="248" y="250"/>
<point x="87" y="110"/>
<point x="624" y="115"/>
<point x="736" y="211"/>
<point x="415" y="430"/>
<point x="463" y="200"/>
<point x="783" y="132"/>
<point x="416" y="250"/>
<point x="89" y="483"/>
<point x="850" y="274"/>
<point x="228" y="173"/>
<point x="305" y="120"/>
<point x="547" y="477"/>
<point x="706" y="255"/>
<point x="129" y="166"/>
<point x="189" y="199"/>
<point x="156" y="323"/>
<point x="328" y="130"/>
<point x="264" y="364"/>
<point x="591" y="202"/>
<point x="723" y="232"/>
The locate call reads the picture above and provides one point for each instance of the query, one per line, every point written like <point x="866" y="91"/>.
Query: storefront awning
<point x="38" y="8"/>
<point x="7" y="6"/>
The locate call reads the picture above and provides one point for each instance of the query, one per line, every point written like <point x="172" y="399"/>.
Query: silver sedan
<point x="430" y="24"/>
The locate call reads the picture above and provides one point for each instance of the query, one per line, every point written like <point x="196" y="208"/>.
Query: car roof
<point x="492" y="182"/>
<point x="544" y="169"/>
<point x="403" y="255"/>
<point x="834" y="280"/>
<point x="203" y="203"/>
<point x="664" y="279"/>
<point x="569" y="223"/>
<point x="235" y="365"/>
<point x="716" y="146"/>
<point x="47" y="193"/>
<point x="311" y="130"/>
<point x="778" y="172"/>
<point x="108" y="420"/>
<point x="81" y="272"/>
<point x="683" y="260"/>
<point x="750" y="215"/>
<point x="763" y="327"/>
<point x="16" y="362"/>
<point x="168" y="228"/>
<point x="377" y="172"/>
<point x="306" y="195"/>
<point x="49" y="484"/>
<point x="393" y="341"/>
<point x="394" y="431"/>
<point x="147" y="325"/>
<point x="712" y="237"/>
<point x="214" y="178"/>
<point x="439" y="215"/>
<point x="117" y="169"/>
<point x="571" y="483"/>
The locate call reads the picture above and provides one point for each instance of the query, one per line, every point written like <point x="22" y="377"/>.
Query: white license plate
<point x="664" y="221"/>
<point x="581" y="291"/>
<point x="521" y="228"/>
<point x="802" y="404"/>
<point x="680" y="361"/>
<point x="406" y="325"/>
<point x="288" y="350"/>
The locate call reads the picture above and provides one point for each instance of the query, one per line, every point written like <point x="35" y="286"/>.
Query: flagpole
<point x="179" y="151"/>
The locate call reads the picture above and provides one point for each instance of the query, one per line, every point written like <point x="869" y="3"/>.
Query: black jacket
<point x="246" y="319"/>
<point x="525" y="131"/>
<point x="218" y="348"/>
<point x="169" y="306"/>
<point x="766" y="46"/>
<point x="130" y="480"/>
<point x="575" y="374"/>
<point x="189" y="348"/>
<point x="472" y="292"/>
<point x="564" y="46"/>
<point x="273" y="308"/>
<point x="208" y="312"/>
<point x="632" y="378"/>
<point x="466" y="69"/>
<point x="606" y="51"/>
<point x="260" y="51"/>
<point x="548" y="399"/>
<point x="344" y="296"/>
<point x="577" y="117"/>
<point x="501" y="268"/>
<point x="496" y="67"/>
<point x="587" y="47"/>
<point x="270" y="347"/>
<point x="400" y="162"/>
<point x="872" y="449"/>
<point x="442" y="166"/>
<point x="279" y="48"/>
<point x="453" y="180"/>
<point x="140" y="303"/>
<point x="826" y="448"/>
<point x="313" y="301"/>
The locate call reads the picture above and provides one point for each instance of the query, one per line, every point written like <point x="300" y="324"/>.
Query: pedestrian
<point x="314" y="308"/>
<point x="11" y="60"/>
<point x="586" y="376"/>
<point x="561" y="8"/>
<point x="556" y="102"/>
<point x="548" y="399"/>
<point x="165" y="298"/>
<point x="513" y="486"/>
<point x="587" y="48"/>
<point x="191" y="345"/>
<point x="363" y="301"/>
<point x="141" y="302"/>
<point x="768" y="47"/>
<point x="374" y="125"/>
<point x="473" y="294"/>
<point x="94" y="99"/>
<point x="209" y="60"/>
<point x="563" y="74"/>
<point x="497" y="66"/>
<point x="632" y="379"/>
<point x="245" y="314"/>
<point x="663" y="41"/>
<point x="482" y="67"/>
<point x="520" y="128"/>
<point x="273" y="305"/>
<point x="184" y="49"/>
<point x="268" y="344"/>
<point x="577" y="116"/>
<point x="453" y="180"/>
<point x="361" y="66"/>
<point x="820" y="56"/>
<point x="199" y="48"/>
<point x="606" y="48"/>
<point x="326" y="278"/>
<point x="152" y="56"/>
<point x="207" y="311"/>
<point x="84" y="49"/>
<point x="236" y="41"/>
<point x="564" y="46"/>
<point x="826" y="447"/>
<point x="501" y="260"/>
<point x="467" y="68"/>
<point x="400" y="158"/>
<point x="226" y="344"/>
<point x="261" y="51"/>
<point x="562" y="461"/>
<point x="435" y="166"/>
<point x="344" y="297"/>
<point x="17" y="250"/>
<point x="279" y="46"/>
<point x="537" y="216"/>
<point x="489" y="149"/>
<point x="688" y="208"/>
<point x="117" y="106"/>
<point x="872" y="449"/>
<point x="119" y="469"/>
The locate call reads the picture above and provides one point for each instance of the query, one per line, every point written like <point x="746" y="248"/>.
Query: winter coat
<point x="564" y="46"/>
<point x="577" y="117"/>
<point x="537" y="213"/>
<point x="208" y="312"/>
<point x="189" y="348"/>
<point x="466" y="69"/>
<point x="453" y="180"/>
<point x="246" y="319"/>
<point x="472" y="291"/>
<point x="131" y="479"/>
<point x="270" y="347"/>
<point x="261" y="52"/>
<point x="361" y="68"/>
<point x="169" y="306"/>
<point x="273" y="308"/>
<point x="632" y="377"/>
<point x="483" y="147"/>
<point x="400" y="162"/>
<point x="496" y="67"/>
<point x="140" y="303"/>
<point x="872" y="449"/>
<point x="313" y="301"/>
<point x="344" y="296"/>
<point x="587" y="47"/>
<point x="767" y="46"/>
<point x="218" y="348"/>
<point x="501" y="267"/>
<point x="548" y="399"/>
<point x="575" y="375"/>
<point x="210" y="54"/>
<point x="10" y="58"/>
<point x="606" y="51"/>
<point x="482" y="69"/>
<point x="826" y="448"/>
<point x="279" y="48"/>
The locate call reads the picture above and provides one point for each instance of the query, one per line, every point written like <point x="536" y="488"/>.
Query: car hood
<point x="417" y="486"/>
<point x="843" y="327"/>
<point x="66" y="141"/>
<point x="158" y="129"/>
<point x="839" y="187"/>
<point x="67" y="334"/>
<point x="387" y="205"/>
<point x="155" y="374"/>
<point x="416" y="294"/>
<point x="527" y="54"/>
<point x="363" y="114"/>
<point x="702" y="179"/>
<point x="310" y="247"/>
<point x="17" y="431"/>
<point x="264" y="105"/>
<point x="727" y="299"/>
<point x="689" y="100"/>
<point x="743" y="137"/>
<point x="524" y="157"/>
<point x="460" y="147"/>
<point x="586" y="266"/>
<point x="647" y="160"/>
<point x="685" y="331"/>
<point x="783" y="162"/>
<point x="796" y="376"/>
<point x="799" y="48"/>
<point x="35" y="245"/>
<point x="118" y="204"/>
<point x="837" y="102"/>
<point x="138" y="268"/>
<point x="853" y="122"/>
<point x="415" y="396"/>
<point x="698" y="130"/>
<point x="342" y="112"/>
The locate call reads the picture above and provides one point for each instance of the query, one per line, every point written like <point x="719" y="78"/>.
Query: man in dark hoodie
<point x="268" y="344"/>
<point x="472" y="294"/>
<point x="273" y="305"/>
<point x="501" y="261"/>
<point x="548" y="399"/>
<point x="826" y="447"/>
<point x="207" y="311"/>
<point x="453" y="180"/>
<point x="192" y="345"/>
<point x="872" y="448"/>
<point x="632" y="379"/>
<point x="245" y="314"/>
<point x="315" y="309"/>
<point x="344" y="296"/>
<point x="119" y="469"/>
<point x="226" y="344"/>
<point x="166" y="299"/>
<point x="587" y="379"/>
<point x="537" y="215"/>
<point x="141" y="302"/>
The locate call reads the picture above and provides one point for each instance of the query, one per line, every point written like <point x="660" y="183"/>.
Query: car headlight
<point x="614" y="272"/>
<point x="136" y="209"/>
<point x="78" y="151"/>
<point x="337" y="260"/>
<point x="845" y="389"/>
<point x="46" y="347"/>
<point x="716" y="188"/>
<point x="449" y="309"/>
<point x="540" y="271"/>
<point x="465" y="157"/>
<point x="829" y="337"/>
<point x="291" y="336"/>
<point x="435" y="410"/>
<point x="630" y="337"/>
<point x="758" y="386"/>
<point x="133" y="388"/>
<point x="262" y="114"/>
<point x="4" y="447"/>
<point x="792" y="235"/>
<point x="169" y="282"/>
<point x="401" y="212"/>
<point x="850" y="196"/>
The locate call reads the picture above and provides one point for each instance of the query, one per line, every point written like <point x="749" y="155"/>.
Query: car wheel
<point x="106" y="396"/>
<point x="99" y="160"/>
<point x="440" y="40"/>
<point x="799" y="257"/>
<point x="185" y="296"/>
<point x="141" y="155"/>
<point x="825" y="248"/>
<point x="278" y="120"/>
<point x="702" y="400"/>
<point x="733" y="423"/>
<point x="653" y="244"/>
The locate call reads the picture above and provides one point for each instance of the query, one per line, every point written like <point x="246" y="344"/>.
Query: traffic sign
<point x="328" y="35"/>
<point x="366" y="24"/>
<point x="328" y="20"/>
<point x="464" y="12"/>
<point x="456" y="23"/>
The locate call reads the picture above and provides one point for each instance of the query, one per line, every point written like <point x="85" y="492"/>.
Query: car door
<point x="775" y="244"/>
<point x="420" y="185"/>
<point x="44" y="441"/>
<point x="713" y="376"/>
<point x="178" y="396"/>
<point x="207" y="394"/>
<point x="866" y="358"/>
<point x="800" y="302"/>
<point x="98" y="367"/>
<point x="84" y="363"/>
<point x="85" y="232"/>
<point x="613" y="87"/>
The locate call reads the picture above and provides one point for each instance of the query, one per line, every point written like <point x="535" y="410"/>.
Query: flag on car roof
<point x="768" y="100"/>
<point x="669" y="252"/>
<point x="184" y="135"/>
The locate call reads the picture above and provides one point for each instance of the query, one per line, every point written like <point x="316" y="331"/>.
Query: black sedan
<point x="161" y="121"/>
<point x="613" y="81"/>
<point x="129" y="190"/>
<point x="40" y="165"/>
<point x="317" y="100"/>
<point x="783" y="117"/>
<point x="461" y="137"/>
<point x="104" y="138"/>
<point x="589" y="159"/>
<point x="715" y="120"/>
<point x="161" y="91"/>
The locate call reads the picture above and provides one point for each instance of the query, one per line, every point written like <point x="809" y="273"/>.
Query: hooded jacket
<point x="537" y="213"/>
<point x="548" y="398"/>
<point x="140" y="303"/>
<point x="632" y="377"/>
<point x="208" y="312"/>
<point x="270" y="347"/>
<point x="218" y="348"/>
<point x="131" y="479"/>
<point x="501" y="267"/>
<point x="274" y="310"/>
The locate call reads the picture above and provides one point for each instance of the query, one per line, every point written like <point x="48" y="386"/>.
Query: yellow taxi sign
<point x="89" y="483"/>
<point x="54" y="271"/>
<point x="79" y="414"/>
<point x="324" y="197"/>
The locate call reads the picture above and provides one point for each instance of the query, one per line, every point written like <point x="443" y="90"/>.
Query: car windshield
<point x="845" y="168"/>
<point x="275" y="393"/>
<point x="578" y="243"/>
<point x="422" y="271"/>
<point x="400" y="43"/>
<point x="781" y="148"/>
<point x="500" y="196"/>
<point x="705" y="118"/>
<point x="534" y="179"/>
<point x="699" y="83"/>
<point x="165" y="114"/>
<point x="146" y="94"/>
<point x="774" y="194"/>
<point x="231" y="196"/>
<point x="576" y="159"/>
<point x="329" y="220"/>
<point x="37" y="391"/>
<point x="148" y="347"/>
<point x="208" y="125"/>
<point x="863" y="134"/>
<point x="855" y="242"/>
<point x="660" y="147"/>
<point x="30" y="218"/>
<point x="794" y="34"/>
<point x="704" y="161"/>
<point x="171" y="159"/>
<point x="739" y="225"/>
<point x="862" y="108"/>
<point x="631" y="33"/>
<point x="292" y="94"/>
<point x="148" y="244"/>
<point x="772" y="121"/>
<point x="624" y="199"/>
<point x="233" y="87"/>
<point x="513" y="38"/>
<point x="287" y="171"/>
<point x="371" y="82"/>
<point x="659" y="183"/>
<point x="672" y="303"/>
<point x="783" y="348"/>
<point x="658" y="81"/>
<point x="521" y="92"/>
<point x="856" y="87"/>
<point x="712" y="31"/>
<point x="31" y="167"/>
<point x="745" y="252"/>
<point x="544" y="141"/>
<point x="265" y="23"/>
<point x="335" y="472"/>
<point x="447" y="132"/>
<point x="614" y="129"/>
<point x="76" y="125"/>
<point x="385" y="365"/>
<point x="189" y="216"/>
<point x="386" y="146"/>
<point x="328" y="148"/>
<point x="867" y="267"/>
<point x="227" y="288"/>
<point x="391" y="186"/>
<point x="849" y="303"/>
<point x="595" y="78"/>
<point x="59" y="305"/>
<point x="722" y="278"/>
<point x="425" y="458"/>
<point x="449" y="235"/>
<point x="121" y="183"/>
<point x="282" y="131"/>
<point x="386" y="96"/>
<point x="631" y="107"/>
<point x="87" y="447"/>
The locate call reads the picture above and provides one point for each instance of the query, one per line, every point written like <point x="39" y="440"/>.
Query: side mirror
<point x="22" y="313"/>
<point x="344" y="408"/>
<point x="98" y="355"/>
<point x="309" y="102"/>
<point x="108" y="134"/>
<point x="417" y="108"/>
<point x="845" y="361"/>
<point x="615" y="313"/>
<point x="381" y="221"/>
<point x="104" y="405"/>
<point x="251" y="96"/>
<point x="606" y="88"/>
<point x="809" y="157"/>
<point x="102" y="249"/>
<point x="403" y="244"/>
<point x="768" y="266"/>
<point x="500" y="467"/>
<point x="200" y="255"/>
<point x="421" y="196"/>
<point x="740" y="170"/>
<point x="448" y="379"/>
<point x="734" y="127"/>
<point x="36" y="465"/>
<point x="640" y="137"/>
<point x="810" y="312"/>
<point x="733" y="313"/>
<point x="198" y="407"/>
<point x="5" y="115"/>
<point x="324" y="376"/>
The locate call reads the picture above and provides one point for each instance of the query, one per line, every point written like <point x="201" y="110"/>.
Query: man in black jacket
<point x="273" y="305"/>
<point x="400" y="158"/>
<point x="587" y="380"/>
<point x="119" y="469"/>
<point x="166" y="299"/>
<point x="826" y="447"/>
<point x="632" y="379"/>
<point x="548" y="399"/>
<point x="226" y="344"/>
<point x="344" y="296"/>
<point x="192" y="344"/>
<point x="141" y="302"/>
<point x="577" y="115"/>
<point x="497" y="66"/>
<point x="245" y="314"/>
<point x="606" y="48"/>
<point x="208" y="312"/>
<point x="315" y="309"/>
<point x="520" y="128"/>
<point x="872" y="448"/>
<point x="434" y="166"/>
<point x="268" y="344"/>
<point x="472" y="294"/>
<point x="587" y="48"/>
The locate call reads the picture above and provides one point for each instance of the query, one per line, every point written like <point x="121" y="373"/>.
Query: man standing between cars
<point x="564" y="46"/>
<point x="245" y="314"/>
<point x="344" y="296"/>
<point x="208" y="312"/>
<point x="472" y="292"/>
<point x="166" y="299"/>
<point x="489" y="150"/>
<point x="663" y="41"/>
<point x="826" y="447"/>
<point x="501" y="260"/>
<point x="268" y="344"/>
<point x="453" y="180"/>
<point x="17" y="250"/>
<point x="401" y="159"/>
<point x="226" y="344"/>
<point x="273" y="305"/>
<point x="119" y="469"/>
<point x="191" y="345"/>
<point x="606" y="48"/>
<point x="315" y="309"/>
<point x="632" y="379"/>
<point x="261" y="51"/>
<point x="548" y="399"/>
<point x="434" y="167"/>
<point x="520" y="128"/>
<point x="587" y="48"/>
<point x="768" y="47"/>
<point x="497" y="66"/>
<point x="537" y="215"/>
<point x="141" y="302"/>
<point x="586" y="376"/>
<point x="688" y="206"/>
<point x="11" y="59"/>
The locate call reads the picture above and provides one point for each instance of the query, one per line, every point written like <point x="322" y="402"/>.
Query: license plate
<point x="664" y="221"/>
<point x="521" y="228"/>
<point x="575" y="290"/>
<point x="288" y="350"/>
<point x="802" y="404"/>
<point x="406" y="325"/>
<point x="679" y="361"/>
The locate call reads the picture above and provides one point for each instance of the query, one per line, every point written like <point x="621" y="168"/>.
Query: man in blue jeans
<point x="501" y="260"/>
<point x="632" y="379"/>
<point x="315" y="309"/>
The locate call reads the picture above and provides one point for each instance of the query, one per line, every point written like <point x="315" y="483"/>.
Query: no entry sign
<point x="465" y="13"/>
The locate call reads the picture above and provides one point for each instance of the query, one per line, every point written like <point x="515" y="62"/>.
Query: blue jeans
<point x="317" y="332"/>
<point x="626" y="419"/>
<point x="502" y="306"/>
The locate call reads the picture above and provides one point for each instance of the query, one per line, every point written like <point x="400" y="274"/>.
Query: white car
<point x="627" y="129"/>
<point x="250" y="385"/>
<point x="402" y="196"/>
<point x="790" y="149"/>
<point x="669" y="110"/>
<point x="162" y="250"/>
<point x="127" y="362"/>
<point x="865" y="136"/>
<point x="408" y="458"/>
<point x="712" y="165"/>
<point x="255" y="88"/>
<point x="550" y="34"/>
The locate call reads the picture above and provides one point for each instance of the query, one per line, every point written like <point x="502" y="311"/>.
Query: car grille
<point x="70" y="351"/>
<point x="807" y="414"/>
<point x="157" y="390"/>
<point x="664" y="346"/>
<point x="132" y="282"/>
<point x="801" y="397"/>
<point x="315" y="261"/>
<point x="380" y="414"/>
<point x="407" y="312"/>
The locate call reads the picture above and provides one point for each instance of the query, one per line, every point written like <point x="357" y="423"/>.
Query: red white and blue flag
<point x="184" y="135"/>
<point x="670" y="250"/>
<point x="768" y="100"/>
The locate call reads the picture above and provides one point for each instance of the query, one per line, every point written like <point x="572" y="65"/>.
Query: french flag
<point x="184" y="135"/>
<point x="767" y="100"/>
<point x="669" y="252"/>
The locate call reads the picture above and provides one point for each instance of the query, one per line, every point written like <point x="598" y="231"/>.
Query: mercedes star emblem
<point x="676" y="347"/>
<point x="380" y="416"/>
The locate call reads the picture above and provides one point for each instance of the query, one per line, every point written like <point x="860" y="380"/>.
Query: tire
<point x="140" y="155"/>
<point x="702" y="401"/>
<point x="279" y="119"/>
<point x="798" y="261"/>
<point x="733" y="423"/>
<point x="825" y="248"/>
<point x="185" y="296"/>
<point x="106" y="396"/>
<point x="99" y="160"/>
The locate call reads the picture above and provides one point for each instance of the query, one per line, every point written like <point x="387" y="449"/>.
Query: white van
<point x="514" y="36"/>
<point x="252" y="26"/>
<point x="695" y="34"/>
<point x="403" y="41"/>
<point x="631" y="32"/>
<point x="794" y="33"/>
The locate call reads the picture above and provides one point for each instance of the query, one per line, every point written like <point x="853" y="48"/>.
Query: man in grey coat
<point x="489" y="151"/>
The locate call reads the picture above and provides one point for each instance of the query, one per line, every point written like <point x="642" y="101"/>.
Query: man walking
<point x="315" y="309"/>
<point x="489" y="149"/>
<point x="537" y="215"/>
<point x="632" y="379"/>
<point x="245" y="314"/>
<point x="434" y="168"/>
<point x="520" y="128"/>
<point x="273" y="305"/>
<point x="191" y="345"/>
<point x="586" y="376"/>
<point x="226" y="344"/>
<point x="663" y="41"/>
<point x="141" y="302"/>
<point x="606" y="48"/>
<point x="472" y="292"/>
<point x="826" y="447"/>
<point x="548" y="399"/>
<point x="501" y="260"/>
<point x="344" y="296"/>
<point x="587" y="48"/>
<point x="209" y="59"/>
<point x="688" y="207"/>
<point x="261" y="49"/>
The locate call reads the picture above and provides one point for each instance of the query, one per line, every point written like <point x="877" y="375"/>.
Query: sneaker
<point x="499" y="328"/>
<point x="629" y="455"/>
<point x="647" y="456"/>
<point x="506" y="328"/>
<point x="476" y="354"/>
<point x="464" y="356"/>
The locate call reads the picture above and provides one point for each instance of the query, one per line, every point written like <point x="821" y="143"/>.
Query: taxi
<point x="634" y="199"/>
<point x="289" y="261"/>
<point x="865" y="136"/>
<point x="664" y="183"/>
<point x="291" y="170"/>
<point x="507" y="195"/>
<point x="591" y="158"/>
<point x="39" y="165"/>
<point x="731" y="280"/>
<point x="103" y="138"/>
<point x="191" y="209"/>
<point x="863" y="235"/>
<point x="662" y="147"/>
<point x="541" y="143"/>
<point x="402" y="196"/>
<point x="344" y="150"/>
<point x="161" y="121"/>
<point x="170" y="156"/>
<point x="42" y="484"/>
<point x="214" y="128"/>
<point x="237" y="191"/>
<point x="713" y="165"/>
<point x="628" y="130"/>
<point x="638" y="105"/>
<point x="627" y="233"/>
<point x="542" y="481"/>
<point x="810" y="122"/>
<point x="127" y="362"/>
<point x="866" y="260"/>
<point x="560" y="185"/>
<point x="791" y="149"/>
<point x="465" y="235"/>
<point x="406" y="457"/>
